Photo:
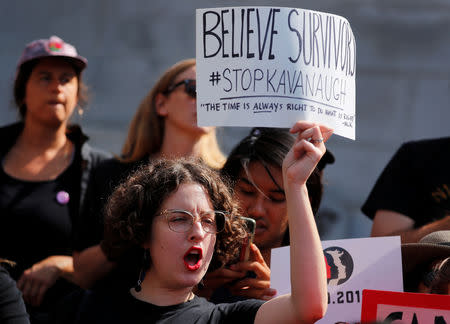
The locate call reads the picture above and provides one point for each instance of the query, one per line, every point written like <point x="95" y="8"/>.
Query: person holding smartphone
<point x="254" y="168"/>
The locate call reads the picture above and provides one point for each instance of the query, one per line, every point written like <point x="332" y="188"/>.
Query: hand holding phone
<point x="256" y="283"/>
<point x="245" y="248"/>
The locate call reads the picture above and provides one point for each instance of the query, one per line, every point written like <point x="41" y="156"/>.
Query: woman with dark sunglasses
<point x="164" y="126"/>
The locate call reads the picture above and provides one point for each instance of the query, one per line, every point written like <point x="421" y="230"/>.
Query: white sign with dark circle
<point x="352" y="265"/>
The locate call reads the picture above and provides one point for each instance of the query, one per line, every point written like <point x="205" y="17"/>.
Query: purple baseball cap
<point x="52" y="47"/>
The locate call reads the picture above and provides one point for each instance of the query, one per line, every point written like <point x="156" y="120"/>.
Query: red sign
<point x="404" y="308"/>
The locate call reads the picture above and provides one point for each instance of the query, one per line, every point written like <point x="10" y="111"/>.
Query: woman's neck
<point x="39" y="154"/>
<point x="41" y="138"/>
<point x="162" y="296"/>
<point x="180" y="144"/>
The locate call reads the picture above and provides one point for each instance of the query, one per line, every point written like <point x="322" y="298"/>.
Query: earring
<point x="138" y="287"/>
<point x="144" y="267"/>
<point x="80" y="111"/>
<point x="201" y="285"/>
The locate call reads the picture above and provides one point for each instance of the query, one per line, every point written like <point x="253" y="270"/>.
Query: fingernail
<point x="267" y="297"/>
<point x="271" y="292"/>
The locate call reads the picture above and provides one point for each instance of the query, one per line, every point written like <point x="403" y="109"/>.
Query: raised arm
<point x="307" y="302"/>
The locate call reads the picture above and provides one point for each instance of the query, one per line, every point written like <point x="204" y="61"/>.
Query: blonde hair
<point x="146" y="131"/>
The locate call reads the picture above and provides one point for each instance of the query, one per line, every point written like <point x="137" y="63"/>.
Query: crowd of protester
<point x="153" y="234"/>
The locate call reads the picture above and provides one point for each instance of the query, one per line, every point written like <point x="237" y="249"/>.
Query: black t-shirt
<point x="97" y="308"/>
<point x="88" y="231"/>
<point x="416" y="182"/>
<point x="104" y="178"/>
<point x="12" y="307"/>
<point x="34" y="224"/>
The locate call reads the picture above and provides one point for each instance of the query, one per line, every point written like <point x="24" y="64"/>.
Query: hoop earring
<point x="144" y="267"/>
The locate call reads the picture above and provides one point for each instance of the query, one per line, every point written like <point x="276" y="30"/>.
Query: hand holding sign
<point x="306" y="152"/>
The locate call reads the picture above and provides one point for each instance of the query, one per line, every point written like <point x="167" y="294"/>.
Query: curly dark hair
<point x="134" y="203"/>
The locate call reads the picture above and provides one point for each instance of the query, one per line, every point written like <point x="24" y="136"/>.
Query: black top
<point x="97" y="308"/>
<point x="12" y="307"/>
<point x="103" y="180"/>
<point x="89" y="230"/>
<point x="34" y="223"/>
<point x="416" y="182"/>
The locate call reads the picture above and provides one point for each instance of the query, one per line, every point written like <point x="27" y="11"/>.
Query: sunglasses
<point x="189" y="87"/>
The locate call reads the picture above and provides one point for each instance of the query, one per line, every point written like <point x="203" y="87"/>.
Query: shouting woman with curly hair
<point x="164" y="126"/>
<point x="182" y="218"/>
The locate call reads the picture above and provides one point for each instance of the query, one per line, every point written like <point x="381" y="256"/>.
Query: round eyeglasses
<point x="190" y="87"/>
<point x="181" y="221"/>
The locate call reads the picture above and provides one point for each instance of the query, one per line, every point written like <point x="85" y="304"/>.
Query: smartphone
<point x="245" y="248"/>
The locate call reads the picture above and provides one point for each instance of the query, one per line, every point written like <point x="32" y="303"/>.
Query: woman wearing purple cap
<point x="44" y="172"/>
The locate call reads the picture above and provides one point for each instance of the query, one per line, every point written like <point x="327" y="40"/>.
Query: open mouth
<point x="192" y="258"/>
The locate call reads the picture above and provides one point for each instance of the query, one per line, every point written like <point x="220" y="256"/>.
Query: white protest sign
<point x="352" y="265"/>
<point x="269" y="66"/>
